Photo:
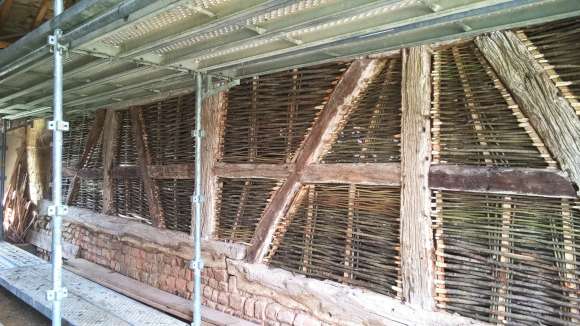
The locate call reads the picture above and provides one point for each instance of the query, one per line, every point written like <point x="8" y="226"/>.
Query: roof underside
<point x="127" y="52"/>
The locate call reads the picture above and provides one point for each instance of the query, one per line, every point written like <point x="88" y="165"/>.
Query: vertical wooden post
<point x="110" y="135"/>
<point x="502" y="297"/>
<point x="309" y="228"/>
<point x="212" y="122"/>
<point x="144" y="161"/>
<point x="417" y="263"/>
<point x="92" y="141"/>
<point x="569" y="267"/>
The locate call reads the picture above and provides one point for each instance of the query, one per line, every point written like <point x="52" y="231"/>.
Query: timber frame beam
<point x="354" y="82"/>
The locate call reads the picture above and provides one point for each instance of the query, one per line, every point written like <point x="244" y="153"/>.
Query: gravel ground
<point x="14" y="312"/>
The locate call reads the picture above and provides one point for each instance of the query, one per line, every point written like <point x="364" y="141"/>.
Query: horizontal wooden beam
<point x="267" y="171"/>
<point x="171" y="171"/>
<point x="510" y="181"/>
<point x="384" y="174"/>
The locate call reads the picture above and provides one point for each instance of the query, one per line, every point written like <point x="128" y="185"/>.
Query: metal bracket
<point x="197" y="199"/>
<point x="196" y="265"/>
<point x="54" y="42"/>
<point x="56" y="295"/>
<point x="195" y="133"/>
<point x="57" y="210"/>
<point x="58" y="125"/>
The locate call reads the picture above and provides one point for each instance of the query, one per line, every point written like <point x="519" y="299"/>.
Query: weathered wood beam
<point x="4" y="44"/>
<point x="212" y="122"/>
<point x="417" y="263"/>
<point x="35" y="160"/>
<point x="5" y="11"/>
<point x="354" y="81"/>
<point x="549" y="113"/>
<point x="171" y="171"/>
<point x="118" y="172"/>
<point x="253" y="170"/>
<point x="110" y="137"/>
<point x="143" y="162"/>
<point x="92" y="141"/>
<point x="383" y="174"/>
<point x="40" y="14"/>
<point x="508" y="181"/>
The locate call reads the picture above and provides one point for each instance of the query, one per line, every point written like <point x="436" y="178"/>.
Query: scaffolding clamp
<point x="197" y="133"/>
<point x="196" y="265"/>
<point x="56" y="295"/>
<point x="196" y="199"/>
<point x="57" y="210"/>
<point x="54" y="42"/>
<point x="58" y="125"/>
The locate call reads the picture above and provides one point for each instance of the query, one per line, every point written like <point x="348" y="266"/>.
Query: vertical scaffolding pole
<point x="197" y="263"/>
<point x="2" y="177"/>
<point x="57" y="125"/>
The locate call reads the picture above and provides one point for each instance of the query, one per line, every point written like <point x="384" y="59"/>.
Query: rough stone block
<point x="260" y="309"/>
<point x="237" y="302"/>
<point x="272" y="310"/>
<point x="223" y="298"/>
<point x="286" y="316"/>
<point x="249" y="307"/>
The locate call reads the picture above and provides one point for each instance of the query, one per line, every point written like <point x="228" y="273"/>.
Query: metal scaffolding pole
<point x="57" y="210"/>
<point x="197" y="262"/>
<point x="2" y="177"/>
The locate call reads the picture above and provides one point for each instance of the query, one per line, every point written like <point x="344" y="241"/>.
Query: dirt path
<point x="14" y="312"/>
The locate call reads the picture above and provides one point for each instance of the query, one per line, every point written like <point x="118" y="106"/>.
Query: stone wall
<point x="253" y="292"/>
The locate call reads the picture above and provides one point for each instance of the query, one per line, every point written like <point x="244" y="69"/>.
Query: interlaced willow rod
<point x="275" y="112"/>
<point x="169" y="125"/>
<point x="508" y="260"/>
<point x="344" y="233"/>
<point x="74" y="141"/>
<point x="176" y="201"/>
<point x="473" y="121"/>
<point x="240" y="205"/>
<point x="556" y="48"/>
<point x="372" y="130"/>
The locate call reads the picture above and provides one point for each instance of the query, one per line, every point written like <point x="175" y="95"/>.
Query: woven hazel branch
<point x="556" y="48"/>
<point x="474" y="123"/>
<point x="507" y="259"/>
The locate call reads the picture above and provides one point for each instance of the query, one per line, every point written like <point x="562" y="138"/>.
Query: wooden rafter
<point x="92" y="141"/>
<point x="354" y="81"/>
<point x="5" y="11"/>
<point x="144" y="161"/>
<point x="41" y="14"/>
<point x="551" y="115"/>
<point x="110" y="135"/>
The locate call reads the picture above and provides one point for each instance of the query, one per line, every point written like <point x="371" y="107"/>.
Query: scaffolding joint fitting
<point x="57" y="210"/>
<point x="198" y="133"/>
<point x="196" y="265"/>
<point x="58" y="125"/>
<point x="54" y="42"/>
<point x="56" y="294"/>
<point x="196" y="199"/>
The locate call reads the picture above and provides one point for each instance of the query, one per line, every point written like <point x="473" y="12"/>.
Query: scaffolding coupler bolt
<point x="60" y="210"/>
<point x="54" y="42"/>
<point x="58" y="125"/>
<point x="196" y="265"/>
<point x="56" y="295"/>
<point x="197" y="199"/>
<point x="197" y="133"/>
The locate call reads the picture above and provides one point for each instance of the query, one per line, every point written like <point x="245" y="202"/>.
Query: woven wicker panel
<point x="90" y="195"/>
<point x="131" y="199"/>
<point x="126" y="151"/>
<point x="473" y="121"/>
<point x="75" y="139"/>
<point x="507" y="259"/>
<point x="556" y="47"/>
<point x="240" y="205"/>
<point x="373" y="130"/>
<point x="348" y="234"/>
<point x="175" y="198"/>
<point x="269" y="116"/>
<point x="169" y="124"/>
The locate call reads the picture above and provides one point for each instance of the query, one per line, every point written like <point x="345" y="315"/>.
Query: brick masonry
<point x="171" y="274"/>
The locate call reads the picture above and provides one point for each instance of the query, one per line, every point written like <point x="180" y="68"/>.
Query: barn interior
<point x="291" y="162"/>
